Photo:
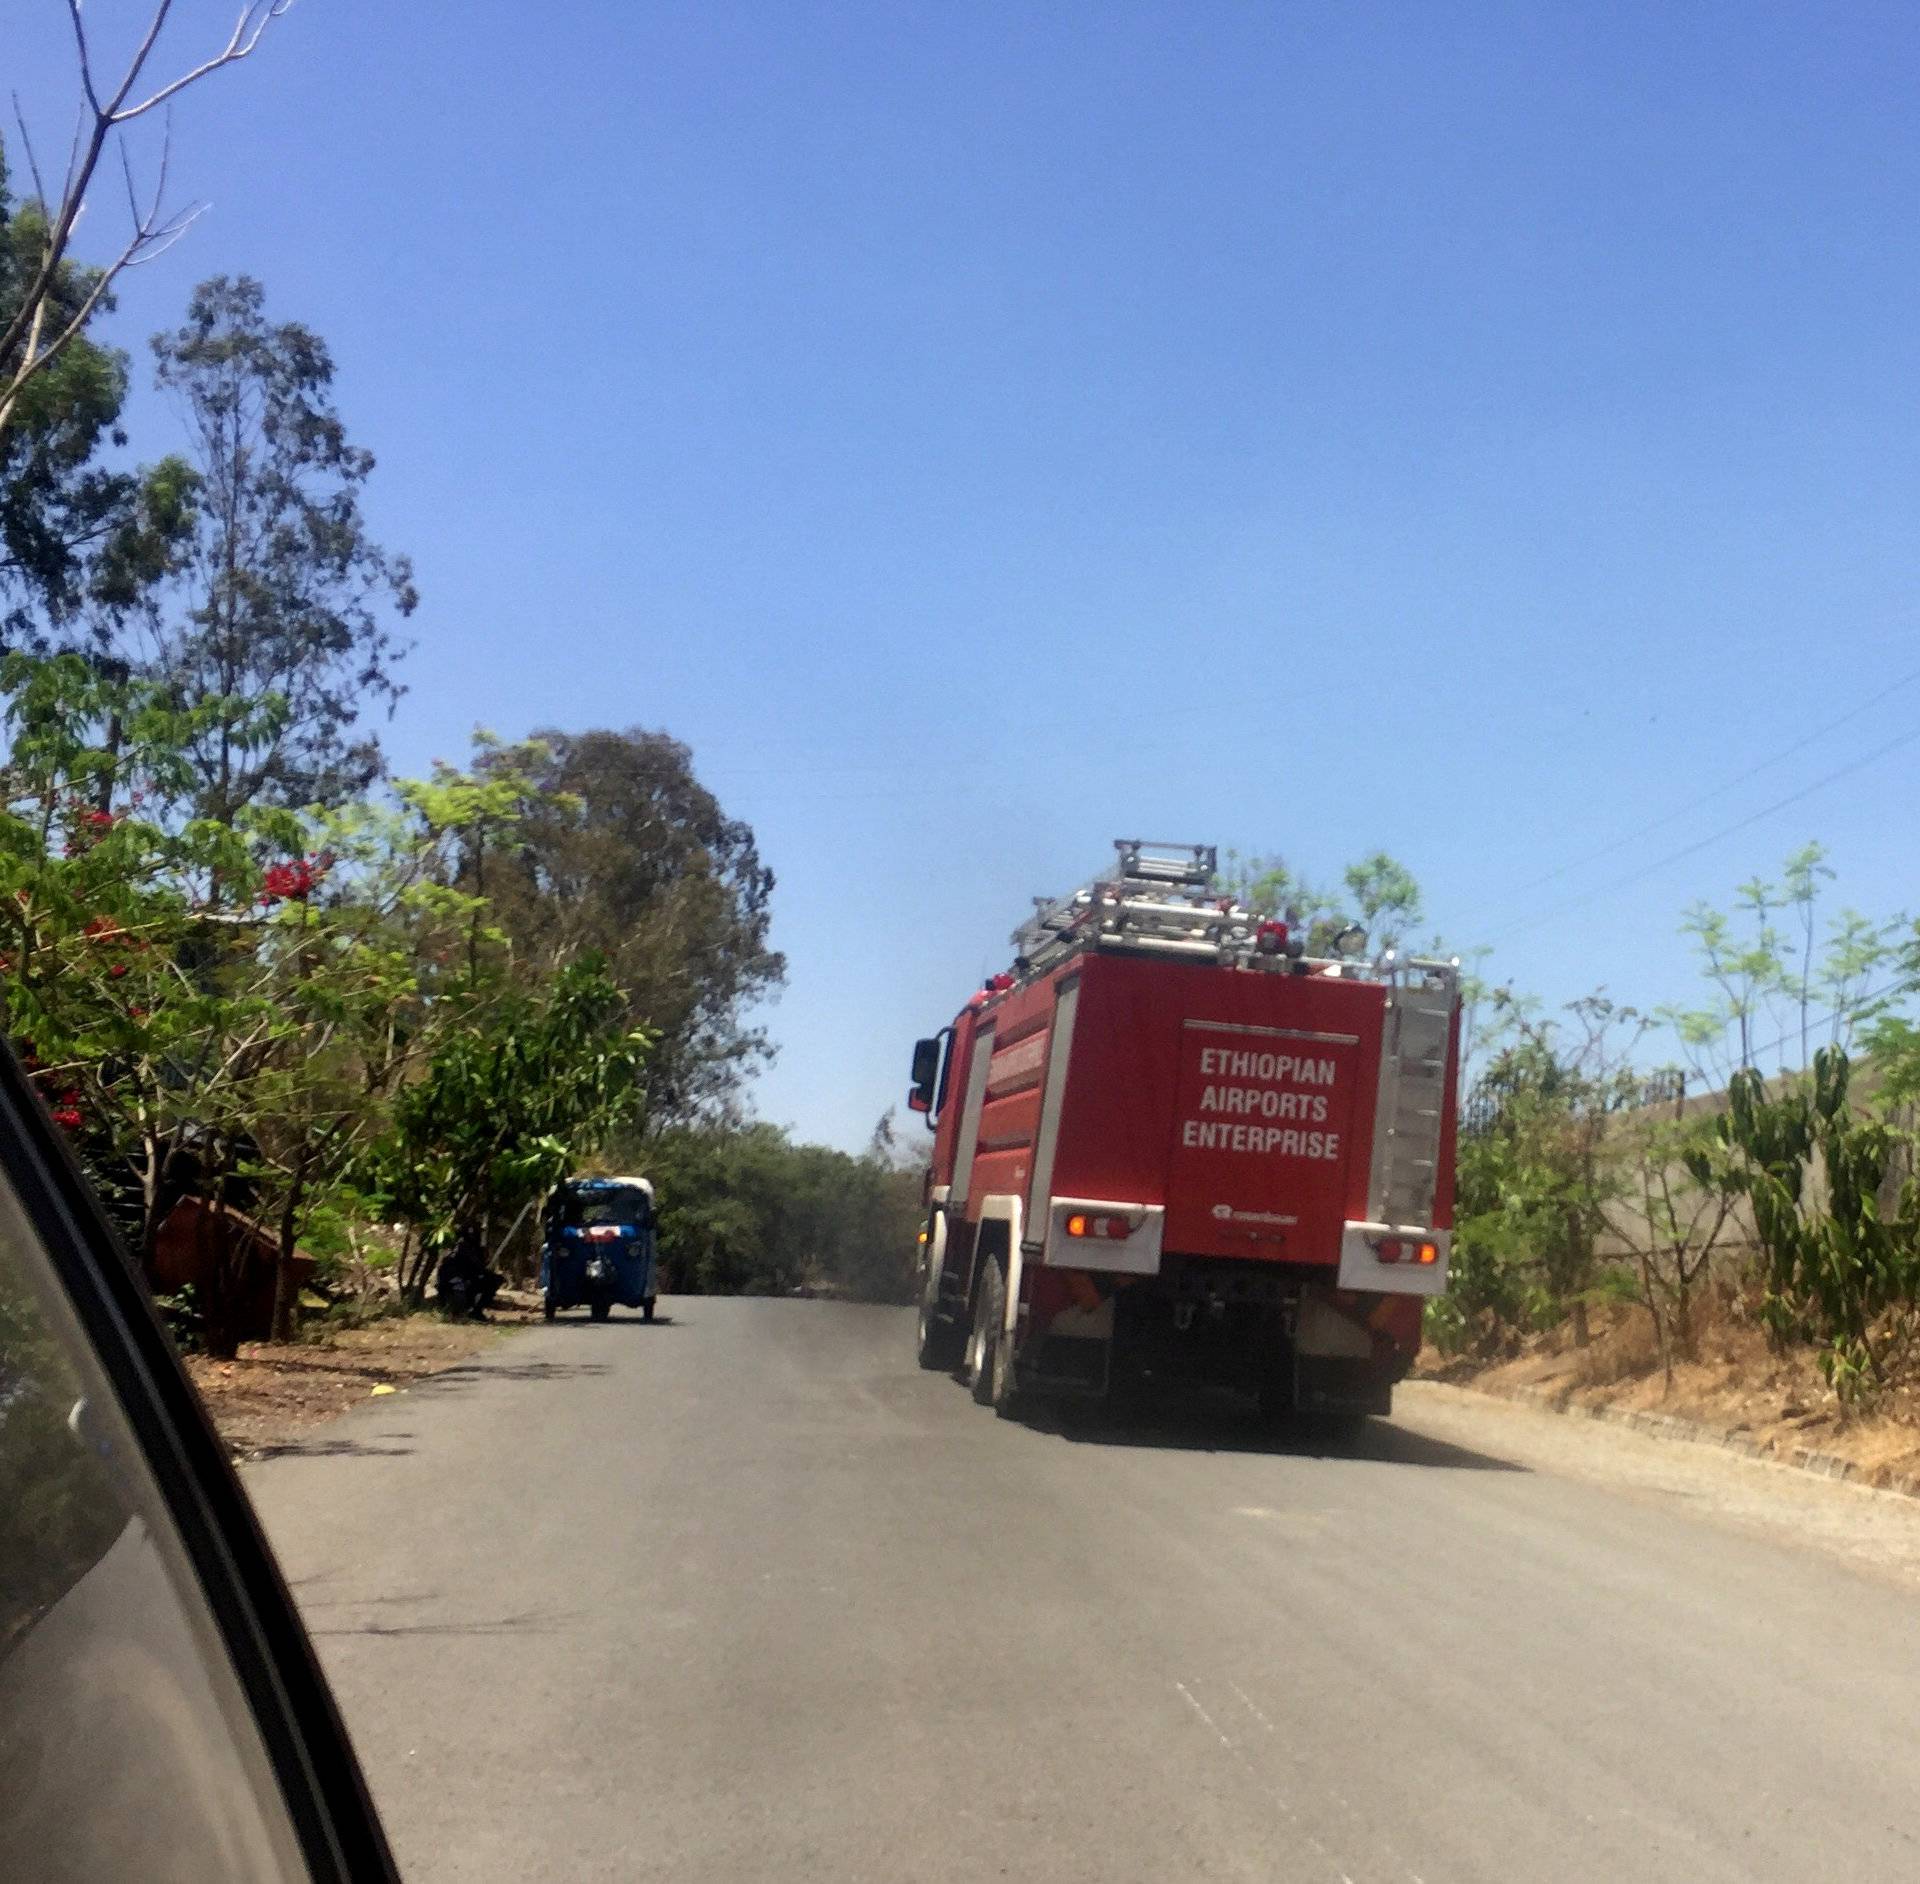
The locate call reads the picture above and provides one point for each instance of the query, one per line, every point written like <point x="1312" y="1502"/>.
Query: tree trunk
<point x="284" y="1289"/>
<point x="1682" y="1316"/>
<point x="1581" y="1333"/>
<point x="220" y="1315"/>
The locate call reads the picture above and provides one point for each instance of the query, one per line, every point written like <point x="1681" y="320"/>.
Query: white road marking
<point x="1187" y="1696"/>
<point x="1246" y="1701"/>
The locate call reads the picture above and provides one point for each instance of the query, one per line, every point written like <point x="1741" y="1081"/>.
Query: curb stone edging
<point x="1670" y="1426"/>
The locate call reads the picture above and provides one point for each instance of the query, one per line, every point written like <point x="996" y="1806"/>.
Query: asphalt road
<point x="745" y="1595"/>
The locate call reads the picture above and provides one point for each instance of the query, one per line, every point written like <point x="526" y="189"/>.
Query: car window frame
<point x="321" y="1782"/>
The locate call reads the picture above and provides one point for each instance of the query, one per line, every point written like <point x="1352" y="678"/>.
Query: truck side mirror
<point x="926" y="1069"/>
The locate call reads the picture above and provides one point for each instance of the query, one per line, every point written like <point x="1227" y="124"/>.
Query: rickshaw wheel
<point x="646" y="1309"/>
<point x="548" y="1309"/>
<point x="601" y="1310"/>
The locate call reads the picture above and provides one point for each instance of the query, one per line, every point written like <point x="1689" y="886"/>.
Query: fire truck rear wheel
<point x="989" y="1306"/>
<point x="989" y="1359"/>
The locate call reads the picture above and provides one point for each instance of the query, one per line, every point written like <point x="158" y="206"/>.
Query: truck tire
<point x="989" y="1361"/>
<point x="989" y="1313"/>
<point x="601" y="1310"/>
<point x="646" y="1309"/>
<point x="939" y="1344"/>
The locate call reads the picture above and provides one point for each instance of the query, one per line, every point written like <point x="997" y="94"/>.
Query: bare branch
<point x="86" y="58"/>
<point x="134" y="214"/>
<point x="98" y="122"/>
<point x="254" y="20"/>
<point x="140" y="58"/>
<point x="74" y="148"/>
<point x="26" y="144"/>
<point x="163" y="238"/>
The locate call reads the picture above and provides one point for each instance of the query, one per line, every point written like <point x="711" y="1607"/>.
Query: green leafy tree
<point x="623" y="853"/>
<point x="1491" y="1295"/>
<point x="146" y="1011"/>
<point x="745" y="1211"/>
<point x="1376" y="892"/>
<point x="1555" y="1089"/>
<point x="285" y="593"/>
<point x="1768" y="983"/>
<point x="223" y="1009"/>
<point x="81" y="542"/>
<point x="377" y="959"/>
<point x="506" y="1107"/>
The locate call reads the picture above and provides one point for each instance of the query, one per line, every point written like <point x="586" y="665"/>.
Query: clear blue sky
<point x="981" y="431"/>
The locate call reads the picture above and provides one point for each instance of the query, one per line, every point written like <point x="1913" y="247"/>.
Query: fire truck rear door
<point x="1261" y="1141"/>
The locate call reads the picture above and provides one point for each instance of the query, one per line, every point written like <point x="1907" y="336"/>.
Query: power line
<point x="1719" y="791"/>
<point x="1688" y="850"/>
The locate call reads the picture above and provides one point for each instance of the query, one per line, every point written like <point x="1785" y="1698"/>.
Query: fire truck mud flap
<point x="1072" y="1354"/>
<point x="1338" y="1366"/>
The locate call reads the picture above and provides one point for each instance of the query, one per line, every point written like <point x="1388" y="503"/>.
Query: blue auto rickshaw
<point x="597" y="1246"/>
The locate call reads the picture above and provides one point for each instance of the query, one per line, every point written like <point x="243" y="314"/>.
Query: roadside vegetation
<point x="1736" y="1226"/>
<point x="309" y="1025"/>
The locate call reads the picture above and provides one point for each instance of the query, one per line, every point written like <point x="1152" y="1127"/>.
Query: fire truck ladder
<point x="1159" y="900"/>
<point x="1421" y="997"/>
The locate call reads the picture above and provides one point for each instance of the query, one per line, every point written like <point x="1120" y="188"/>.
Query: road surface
<point x="745" y="1595"/>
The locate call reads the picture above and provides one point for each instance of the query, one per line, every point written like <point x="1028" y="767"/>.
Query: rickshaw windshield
<point x="631" y="1207"/>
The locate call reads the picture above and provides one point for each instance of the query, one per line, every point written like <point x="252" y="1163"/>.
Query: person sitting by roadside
<point x="465" y="1285"/>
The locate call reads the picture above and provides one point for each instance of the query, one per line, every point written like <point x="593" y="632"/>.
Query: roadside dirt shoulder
<point x="268" y="1395"/>
<point x="1739" y="1390"/>
<point x="1876" y="1531"/>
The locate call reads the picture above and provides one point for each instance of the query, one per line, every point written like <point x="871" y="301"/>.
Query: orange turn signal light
<point x="1390" y="1249"/>
<point x="1117" y="1229"/>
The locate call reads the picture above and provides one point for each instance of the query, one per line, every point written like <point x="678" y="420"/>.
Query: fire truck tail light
<point x="1394" y="1249"/>
<point x="1115" y="1228"/>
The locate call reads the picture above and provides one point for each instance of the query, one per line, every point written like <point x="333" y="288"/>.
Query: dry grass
<point x="1736" y="1383"/>
<point x="1629" y="1350"/>
<point x="268" y="1394"/>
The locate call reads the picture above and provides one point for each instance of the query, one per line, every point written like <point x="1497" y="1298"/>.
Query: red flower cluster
<point x="294" y="882"/>
<point x="67" y="1118"/>
<point x="288" y="882"/>
<point x="88" y="823"/>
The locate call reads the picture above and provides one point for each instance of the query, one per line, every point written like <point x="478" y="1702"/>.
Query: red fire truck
<point x="1171" y="1143"/>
